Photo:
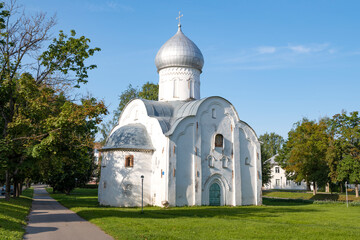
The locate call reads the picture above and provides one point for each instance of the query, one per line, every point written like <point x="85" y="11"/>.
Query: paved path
<point x="49" y="220"/>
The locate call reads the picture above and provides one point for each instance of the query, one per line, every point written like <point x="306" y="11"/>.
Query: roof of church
<point x="131" y="136"/>
<point x="179" y="51"/>
<point x="170" y="113"/>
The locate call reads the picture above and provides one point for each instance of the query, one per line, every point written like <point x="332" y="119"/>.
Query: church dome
<point x="179" y="51"/>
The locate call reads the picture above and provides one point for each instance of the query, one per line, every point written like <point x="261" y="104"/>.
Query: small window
<point x="219" y="140"/>
<point x="176" y="87"/>
<point x="129" y="161"/>
<point x="287" y="182"/>
<point x="299" y="183"/>
<point x="277" y="182"/>
<point x="277" y="170"/>
<point x="213" y="113"/>
<point x="247" y="161"/>
<point x="210" y="161"/>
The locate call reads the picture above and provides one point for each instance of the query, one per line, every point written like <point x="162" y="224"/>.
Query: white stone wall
<point x="120" y="185"/>
<point x="195" y="163"/>
<point x="250" y="159"/>
<point x="135" y="112"/>
<point x="184" y="165"/>
<point x="177" y="83"/>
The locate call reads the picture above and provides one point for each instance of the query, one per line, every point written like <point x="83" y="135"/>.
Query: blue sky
<point x="276" y="61"/>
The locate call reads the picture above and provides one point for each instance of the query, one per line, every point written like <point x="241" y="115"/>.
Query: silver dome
<point x="179" y="51"/>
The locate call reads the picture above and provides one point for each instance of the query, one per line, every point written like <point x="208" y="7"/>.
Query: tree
<point x="60" y="67"/>
<point x="271" y="144"/>
<point x="148" y="91"/>
<point x="304" y="153"/>
<point x="345" y="153"/>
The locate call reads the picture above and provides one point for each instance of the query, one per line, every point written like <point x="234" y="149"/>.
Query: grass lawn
<point x="309" y="195"/>
<point x="13" y="215"/>
<point x="277" y="219"/>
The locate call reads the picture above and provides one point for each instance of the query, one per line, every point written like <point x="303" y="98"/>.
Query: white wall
<point x="282" y="182"/>
<point x="178" y="83"/>
<point x="120" y="185"/>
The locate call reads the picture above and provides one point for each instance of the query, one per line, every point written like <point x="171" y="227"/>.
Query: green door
<point x="214" y="195"/>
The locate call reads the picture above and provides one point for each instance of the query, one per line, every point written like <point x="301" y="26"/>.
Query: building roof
<point x="179" y="51"/>
<point x="170" y="113"/>
<point x="272" y="160"/>
<point x="130" y="137"/>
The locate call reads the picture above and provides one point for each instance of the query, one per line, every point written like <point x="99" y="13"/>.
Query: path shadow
<point x="34" y="230"/>
<point x="50" y="218"/>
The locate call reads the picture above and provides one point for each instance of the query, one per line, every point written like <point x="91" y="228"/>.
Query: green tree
<point x="304" y="153"/>
<point x="61" y="66"/>
<point x="148" y="91"/>
<point x="345" y="153"/>
<point x="271" y="144"/>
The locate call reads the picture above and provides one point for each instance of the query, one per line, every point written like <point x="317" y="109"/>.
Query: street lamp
<point x="346" y="186"/>
<point x="142" y="194"/>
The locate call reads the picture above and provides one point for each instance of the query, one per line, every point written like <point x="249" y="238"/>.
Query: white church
<point x="190" y="151"/>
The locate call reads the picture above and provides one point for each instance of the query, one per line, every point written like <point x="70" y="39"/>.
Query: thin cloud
<point x="109" y="6"/>
<point x="266" y="50"/>
<point x="275" y="57"/>
<point x="309" y="49"/>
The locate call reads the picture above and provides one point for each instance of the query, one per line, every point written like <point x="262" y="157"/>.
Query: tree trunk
<point x="327" y="187"/>
<point x="314" y="188"/>
<point x="7" y="190"/>
<point x="18" y="191"/>
<point x="356" y="190"/>
<point x="341" y="188"/>
<point x="15" y="188"/>
<point x="308" y="186"/>
<point x="21" y="187"/>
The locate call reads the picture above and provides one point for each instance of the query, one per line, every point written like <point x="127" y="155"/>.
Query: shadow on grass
<point x="191" y="212"/>
<point x="285" y="202"/>
<point x="86" y="199"/>
<point x="325" y="197"/>
<point x="11" y="225"/>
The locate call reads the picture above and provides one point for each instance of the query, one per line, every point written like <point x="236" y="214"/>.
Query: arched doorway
<point x="214" y="195"/>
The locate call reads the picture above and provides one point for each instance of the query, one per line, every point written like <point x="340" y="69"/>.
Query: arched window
<point x="219" y="140"/>
<point x="129" y="161"/>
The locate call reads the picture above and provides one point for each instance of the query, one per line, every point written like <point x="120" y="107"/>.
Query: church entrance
<point x="214" y="195"/>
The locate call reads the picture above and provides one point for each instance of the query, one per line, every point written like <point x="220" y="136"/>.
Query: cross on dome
<point x="179" y="17"/>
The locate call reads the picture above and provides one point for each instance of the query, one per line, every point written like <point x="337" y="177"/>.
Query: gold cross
<point x="180" y="16"/>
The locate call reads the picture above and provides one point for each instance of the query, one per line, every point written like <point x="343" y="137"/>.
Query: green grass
<point x="309" y="195"/>
<point x="13" y="215"/>
<point x="277" y="219"/>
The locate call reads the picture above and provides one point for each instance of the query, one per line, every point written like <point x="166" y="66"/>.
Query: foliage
<point x="39" y="123"/>
<point x="148" y="91"/>
<point x="13" y="215"/>
<point x="278" y="220"/>
<point x="271" y="144"/>
<point x="344" y="154"/>
<point x="304" y="153"/>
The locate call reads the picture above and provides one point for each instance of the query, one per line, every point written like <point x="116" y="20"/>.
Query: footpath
<point x="48" y="219"/>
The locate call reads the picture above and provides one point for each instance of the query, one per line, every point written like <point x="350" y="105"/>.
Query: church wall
<point x="135" y="112"/>
<point x="120" y="185"/>
<point x="182" y="161"/>
<point x="250" y="167"/>
<point x="216" y="162"/>
<point x="178" y="83"/>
